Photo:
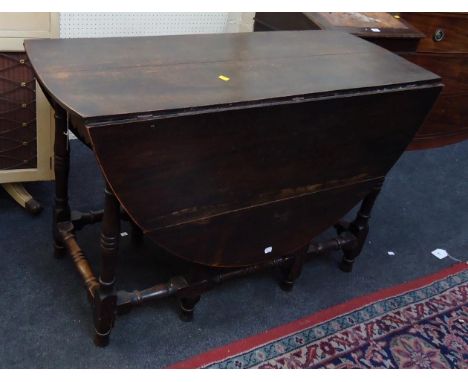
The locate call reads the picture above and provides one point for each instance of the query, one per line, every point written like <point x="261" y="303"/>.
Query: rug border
<point x="220" y="353"/>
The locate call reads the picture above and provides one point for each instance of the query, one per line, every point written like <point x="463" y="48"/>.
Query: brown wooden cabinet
<point x="444" y="32"/>
<point x="443" y="50"/>
<point x="17" y="112"/>
<point x="26" y="126"/>
<point x="435" y="41"/>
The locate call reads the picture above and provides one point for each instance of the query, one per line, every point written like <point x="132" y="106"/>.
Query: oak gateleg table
<point x="229" y="151"/>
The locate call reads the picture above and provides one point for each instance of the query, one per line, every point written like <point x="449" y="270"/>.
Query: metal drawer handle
<point x="439" y="35"/>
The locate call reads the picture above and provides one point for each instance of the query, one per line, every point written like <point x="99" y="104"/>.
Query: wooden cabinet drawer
<point x="453" y="68"/>
<point x="445" y="32"/>
<point x="448" y="120"/>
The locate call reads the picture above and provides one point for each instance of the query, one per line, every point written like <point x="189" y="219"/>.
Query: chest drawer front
<point x="17" y="112"/>
<point x="445" y="32"/>
<point x="449" y="116"/>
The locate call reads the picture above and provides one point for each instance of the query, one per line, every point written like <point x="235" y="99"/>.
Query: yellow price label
<point x="224" y="78"/>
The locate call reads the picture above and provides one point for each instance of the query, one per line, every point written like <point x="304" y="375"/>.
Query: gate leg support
<point x="105" y="298"/>
<point x="359" y="228"/>
<point x="61" y="169"/>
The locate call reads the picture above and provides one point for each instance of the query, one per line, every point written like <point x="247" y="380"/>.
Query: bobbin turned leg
<point x="359" y="228"/>
<point x="187" y="307"/>
<point x="105" y="298"/>
<point x="61" y="168"/>
<point x="291" y="271"/>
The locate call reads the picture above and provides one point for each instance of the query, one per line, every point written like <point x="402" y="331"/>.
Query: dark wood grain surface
<point x="216" y="171"/>
<point x="436" y="41"/>
<point x="444" y="51"/>
<point x="380" y="28"/>
<point x="448" y="121"/>
<point x="233" y="182"/>
<point x="365" y="24"/>
<point x="117" y="76"/>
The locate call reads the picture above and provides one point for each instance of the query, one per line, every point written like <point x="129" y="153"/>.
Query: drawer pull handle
<point x="439" y="35"/>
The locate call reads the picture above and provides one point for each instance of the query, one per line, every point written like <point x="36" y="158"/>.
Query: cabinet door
<point x="26" y="126"/>
<point x="17" y="112"/>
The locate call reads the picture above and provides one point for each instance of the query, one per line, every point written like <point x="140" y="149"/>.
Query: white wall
<point x="151" y="24"/>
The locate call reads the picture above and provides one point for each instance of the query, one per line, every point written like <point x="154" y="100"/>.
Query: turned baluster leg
<point x="61" y="169"/>
<point x="105" y="298"/>
<point x="189" y="298"/>
<point x="359" y="228"/>
<point x="291" y="271"/>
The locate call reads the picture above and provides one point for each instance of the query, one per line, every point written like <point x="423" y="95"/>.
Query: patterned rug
<point x="420" y="324"/>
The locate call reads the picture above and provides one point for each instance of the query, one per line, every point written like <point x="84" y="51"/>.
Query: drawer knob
<point x="439" y="35"/>
<point x="21" y="61"/>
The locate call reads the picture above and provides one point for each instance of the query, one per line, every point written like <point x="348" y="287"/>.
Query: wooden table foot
<point x="187" y="308"/>
<point x="101" y="340"/>
<point x="104" y="308"/>
<point x="346" y="265"/>
<point x="292" y="270"/>
<point x="286" y="285"/>
<point x="59" y="249"/>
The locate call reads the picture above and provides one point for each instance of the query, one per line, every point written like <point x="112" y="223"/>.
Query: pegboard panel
<point x="141" y="24"/>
